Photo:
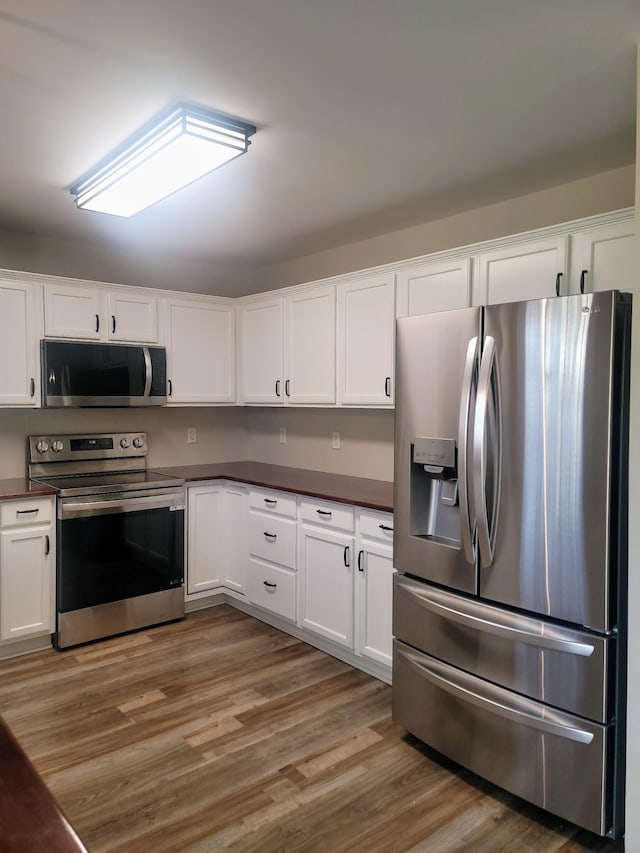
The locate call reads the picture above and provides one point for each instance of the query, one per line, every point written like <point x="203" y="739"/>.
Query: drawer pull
<point x="325" y="512"/>
<point x="27" y="511"/>
<point x="270" y="585"/>
<point x="385" y="527"/>
<point x="47" y="545"/>
<point x="271" y="536"/>
<point x="270" y="502"/>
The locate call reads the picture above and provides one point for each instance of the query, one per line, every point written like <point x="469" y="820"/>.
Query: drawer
<point x="376" y="525"/>
<point x="327" y="514"/>
<point x="26" y="511"/>
<point x="526" y="747"/>
<point x="278" y="503"/>
<point x="273" y="538"/>
<point x="272" y="588"/>
<point x="552" y="663"/>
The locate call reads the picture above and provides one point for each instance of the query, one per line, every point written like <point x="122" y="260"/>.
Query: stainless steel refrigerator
<point x="510" y="544"/>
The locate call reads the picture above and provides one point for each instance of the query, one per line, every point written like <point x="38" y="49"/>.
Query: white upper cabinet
<point x="528" y="270"/>
<point x="200" y="338"/>
<point x="366" y="335"/>
<point x="603" y="258"/>
<point x="261" y="354"/>
<point x="434" y="286"/>
<point x="84" y="312"/>
<point x="20" y="332"/>
<point x="133" y="316"/>
<point x="288" y="348"/>
<point x="310" y="346"/>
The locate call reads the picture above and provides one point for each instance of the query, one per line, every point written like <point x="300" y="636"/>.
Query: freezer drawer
<point x="560" y="666"/>
<point x="552" y="759"/>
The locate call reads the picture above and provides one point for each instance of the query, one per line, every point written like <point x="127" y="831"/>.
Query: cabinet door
<point x="366" y="327"/>
<point x="261" y="351"/>
<point x="604" y="258"/>
<point x="310" y="346"/>
<point x="522" y="271"/>
<point x="234" y="534"/>
<point x="74" y="311"/>
<point x="205" y="538"/>
<point x="200" y="352"/>
<point x="325" y="570"/>
<point x="374" y="595"/>
<point x="434" y="286"/>
<point x="20" y="328"/>
<point x="132" y="317"/>
<point x="27" y="562"/>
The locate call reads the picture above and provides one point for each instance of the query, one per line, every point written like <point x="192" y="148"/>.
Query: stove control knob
<point x="42" y="446"/>
<point x="137" y="441"/>
<point x="57" y="446"/>
<point x="124" y="443"/>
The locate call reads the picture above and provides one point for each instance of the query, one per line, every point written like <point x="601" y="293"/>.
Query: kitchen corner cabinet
<point x="20" y="333"/>
<point x="603" y="258"/>
<point x="326" y="566"/>
<point x="374" y="586"/>
<point x="438" y="285"/>
<point x="200" y="339"/>
<point x="216" y="524"/>
<point x="86" y="312"/>
<point x="528" y="270"/>
<point x="27" y="568"/>
<point x="366" y="336"/>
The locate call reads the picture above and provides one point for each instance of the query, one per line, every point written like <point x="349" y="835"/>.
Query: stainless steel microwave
<point x="102" y="374"/>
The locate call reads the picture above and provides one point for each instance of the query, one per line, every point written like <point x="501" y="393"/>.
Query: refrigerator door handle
<point x="463" y="450"/>
<point x="520" y="629"/>
<point x="523" y="711"/>
<point x="487" y="450"/>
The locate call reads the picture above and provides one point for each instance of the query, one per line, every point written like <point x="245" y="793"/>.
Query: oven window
<point x="106" y="558"/>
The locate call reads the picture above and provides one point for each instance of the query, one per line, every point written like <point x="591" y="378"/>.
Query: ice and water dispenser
<point x="435" y="512"/>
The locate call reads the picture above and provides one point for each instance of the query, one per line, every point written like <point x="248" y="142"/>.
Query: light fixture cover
<point x="179" y="146"/>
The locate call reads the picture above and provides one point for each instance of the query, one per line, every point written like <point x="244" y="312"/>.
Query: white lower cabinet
<point x="374" y="586"/>
<point x="216" y="524"/>
<point x="27" y="569"/>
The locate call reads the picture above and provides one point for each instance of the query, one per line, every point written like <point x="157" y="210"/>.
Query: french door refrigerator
<point x="510" y="544"/>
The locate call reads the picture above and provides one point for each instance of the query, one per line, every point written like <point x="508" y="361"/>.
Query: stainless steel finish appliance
<point x="76" y="373"/>
<point x="510" y="543"/>
<point x="120" y="534"/>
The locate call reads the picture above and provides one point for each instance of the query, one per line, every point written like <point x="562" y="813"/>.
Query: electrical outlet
<point x="192" y="435"/>
<point x="283" y="435"/>
<point x="335" y="440"/>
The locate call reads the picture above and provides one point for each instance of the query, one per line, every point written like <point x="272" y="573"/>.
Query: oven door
<point x="117" y="547"/>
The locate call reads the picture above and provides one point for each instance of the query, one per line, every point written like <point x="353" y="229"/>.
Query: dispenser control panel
<point x="434" y="452"/>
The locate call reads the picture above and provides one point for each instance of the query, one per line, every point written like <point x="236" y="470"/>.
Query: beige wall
<point x="601" y="193"/>
<point x="120" y="265"/>
<point x="366" y="440"/>
<point x="222" y="433"/>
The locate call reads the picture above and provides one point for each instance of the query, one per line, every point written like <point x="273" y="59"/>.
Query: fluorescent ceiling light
<point x="178" y="147"/>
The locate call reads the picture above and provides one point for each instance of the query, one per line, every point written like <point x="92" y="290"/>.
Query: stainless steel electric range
<point x="120" y="534"/>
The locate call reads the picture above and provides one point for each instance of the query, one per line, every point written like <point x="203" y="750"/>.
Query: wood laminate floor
<point x="222" y="733"/>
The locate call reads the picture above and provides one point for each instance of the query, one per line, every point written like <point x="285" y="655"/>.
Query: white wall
<point x="632" y="837"/>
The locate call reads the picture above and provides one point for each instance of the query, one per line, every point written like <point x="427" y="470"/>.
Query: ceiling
<point x="371" y="114"/>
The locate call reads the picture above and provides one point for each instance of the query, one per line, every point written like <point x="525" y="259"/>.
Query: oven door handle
<point x="82" y="509"/>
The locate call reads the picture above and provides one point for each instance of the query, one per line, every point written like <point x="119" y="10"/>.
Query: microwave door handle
<point x="484" y="442"/>
<point x="463" y="449"/>
<point x="148" y="371"/>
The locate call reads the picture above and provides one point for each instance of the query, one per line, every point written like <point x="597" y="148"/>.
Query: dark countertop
<point x="30" y="818"/>
<point x="21" y="487"/>
<point x="374" y="494"/>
